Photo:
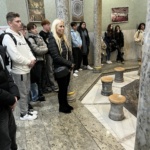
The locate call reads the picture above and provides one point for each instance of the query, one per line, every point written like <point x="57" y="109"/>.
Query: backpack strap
<point x="11" y="35"/>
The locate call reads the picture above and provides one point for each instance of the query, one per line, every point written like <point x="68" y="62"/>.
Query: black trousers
<point x="7" y="130"/>
<point x="85" y="60"/>
<point x="77" y="56"/>
<point x="62" y="93"/>
<point x="37" y="75"/>
<point x="119" y="55"/>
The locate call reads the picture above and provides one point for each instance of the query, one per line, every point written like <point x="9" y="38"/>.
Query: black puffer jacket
<point x="58" y="60"/>
<point x="8" y="90"/>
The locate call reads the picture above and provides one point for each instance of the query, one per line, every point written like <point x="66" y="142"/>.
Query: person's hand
<point x="14" y="105"/>
<point x="32" y="63"/>
<point x="39" y="42"/>
<point x="80" y="46"/>
<point x="72" y="66"/>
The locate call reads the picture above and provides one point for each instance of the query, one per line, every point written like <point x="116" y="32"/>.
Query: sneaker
<point x="76" y="71"/>
<point x="80" y="69"/>
<point x="33" y="112"/>
<point x="75" y="75"/>
<point x="55" y="88"/>
<point x="89" y="67"/>
<point x="28" y="117"/>
<point x="109" y="62"/>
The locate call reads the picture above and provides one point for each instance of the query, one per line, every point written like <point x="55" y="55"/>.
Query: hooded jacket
<point x="20" y="54"/>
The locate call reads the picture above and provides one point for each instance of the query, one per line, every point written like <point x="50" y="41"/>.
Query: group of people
<point x="40" y="59"/>
<point x="36" y="61"/>
<point x="114" y="40"/>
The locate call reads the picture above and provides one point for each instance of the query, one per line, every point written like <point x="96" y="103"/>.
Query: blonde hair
<point x="57" y="38"/>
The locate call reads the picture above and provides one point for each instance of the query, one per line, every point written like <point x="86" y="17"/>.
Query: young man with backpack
<point x="22" y="62"/>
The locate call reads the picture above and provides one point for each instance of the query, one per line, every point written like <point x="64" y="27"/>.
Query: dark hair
<point x="108" y="28"/>
<point x="116" y="27"/>
<point x="73" y="24"/>
<point x="44" y="22"/>
<point x="82" y="23"/>
<point x="11" y="15"/>
<point x="31" y="26"/>
<point x="23" y="26"/>
<point x="139" y="27"/>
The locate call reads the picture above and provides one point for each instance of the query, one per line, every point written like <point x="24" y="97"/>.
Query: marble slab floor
<point x="99" y="106"/>
<point x="86" y="128"/>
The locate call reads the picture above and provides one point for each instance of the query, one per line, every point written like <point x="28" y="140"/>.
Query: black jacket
<point x="53" y="50"/>
<point x="45" y="36"/>
<point x="119" y="38"/>
<point x="8" y="89"/>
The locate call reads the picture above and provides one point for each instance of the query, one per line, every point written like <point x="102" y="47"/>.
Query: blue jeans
<point x="34" y="92"/>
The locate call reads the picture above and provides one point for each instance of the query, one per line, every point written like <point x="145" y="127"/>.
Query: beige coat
<point x="139" y="37"/>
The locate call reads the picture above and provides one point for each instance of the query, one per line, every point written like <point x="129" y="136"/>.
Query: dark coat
<point x="119" y="39"/>
<point x="8" y="89"/>
<point x="87" y="38"/>
<point x="53" y="50"/>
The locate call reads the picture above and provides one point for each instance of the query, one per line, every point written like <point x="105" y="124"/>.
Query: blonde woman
<point x="59" y="50"/>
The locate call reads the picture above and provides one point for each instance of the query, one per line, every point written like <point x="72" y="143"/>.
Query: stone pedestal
<point x="116" y="110"/>
<point x="106" y="85"/>
<point x="97" y="70"/>
<point x="119" y="74"/>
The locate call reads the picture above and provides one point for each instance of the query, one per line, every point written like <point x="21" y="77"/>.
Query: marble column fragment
<point x="63" y="12"/>
<point x="97" y="34"/>
<point x="142" y="141"/>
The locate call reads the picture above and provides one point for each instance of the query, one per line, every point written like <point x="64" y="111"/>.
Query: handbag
<point x="61" y="72"/>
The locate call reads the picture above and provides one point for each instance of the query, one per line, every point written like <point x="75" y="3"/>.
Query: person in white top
<point x="22" y="62"/>
<point x="139" y="40"/>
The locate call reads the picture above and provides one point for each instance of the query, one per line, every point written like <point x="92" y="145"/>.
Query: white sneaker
<point x="76" y="71"/>
<point x="28" y="117"/>
<point x="109" y="62"/>
<point x="33" y="112"/>
<point x="75" y="75"/>
<point x="89" y="67"/>
<point x="80" y="69"/>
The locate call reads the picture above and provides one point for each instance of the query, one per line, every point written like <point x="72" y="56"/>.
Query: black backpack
<point x="7" y="59"/>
